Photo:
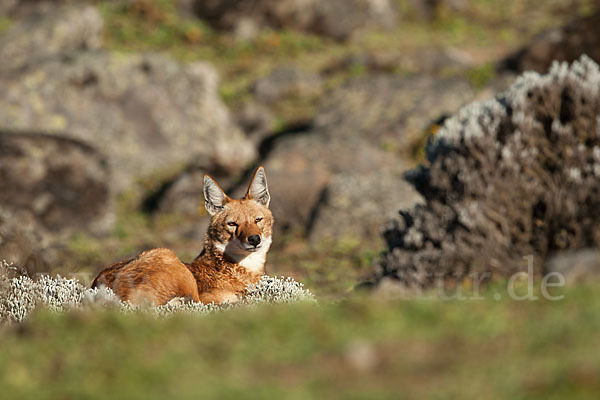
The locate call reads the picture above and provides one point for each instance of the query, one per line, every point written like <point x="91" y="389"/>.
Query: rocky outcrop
<point x="566" y="43"/>
<point x="515" y="176"/>
<point x="45" y="33"/>
<point x="339" y="19"/>
<point x="143" y="111"/>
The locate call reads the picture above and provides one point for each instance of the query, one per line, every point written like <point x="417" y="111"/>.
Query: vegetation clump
<point x="20" y="295"/>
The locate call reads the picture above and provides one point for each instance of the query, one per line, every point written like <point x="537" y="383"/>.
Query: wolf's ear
<point x="258" y="189"/>
<point x="214" y="197"/>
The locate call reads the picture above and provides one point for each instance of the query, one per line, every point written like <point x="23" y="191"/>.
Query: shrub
<point x="20" y="295"/>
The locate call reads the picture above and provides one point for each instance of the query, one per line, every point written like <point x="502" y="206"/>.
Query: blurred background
<point x="111" y="112"/>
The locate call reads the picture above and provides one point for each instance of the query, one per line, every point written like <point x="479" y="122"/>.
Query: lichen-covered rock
<point x="45" y="33"/>
<point x="515" y="176"/>
<point x="20" y="295"/>
<point x="339" y="19"/>
<point x="143" y="111"/>
<point x="62" y="182"/>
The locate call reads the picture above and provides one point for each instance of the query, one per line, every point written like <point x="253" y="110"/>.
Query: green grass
<point x="353" y="349"/>
<point x="482" y="75"/>
<point x="5" y="23"/>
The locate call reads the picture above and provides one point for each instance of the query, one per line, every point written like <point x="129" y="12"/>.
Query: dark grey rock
<point x="566" y="43"/>
<point x="63" y="183"/>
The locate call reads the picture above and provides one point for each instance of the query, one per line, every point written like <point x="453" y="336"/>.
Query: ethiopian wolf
<point x="234" y="255"/>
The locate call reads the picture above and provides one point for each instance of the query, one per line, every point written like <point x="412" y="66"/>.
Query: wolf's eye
<point x="257" y="220"/>
<point x="231" y="223"/>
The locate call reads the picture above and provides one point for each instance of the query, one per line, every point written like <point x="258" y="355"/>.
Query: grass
<point x="5" y="23"/>
<point x="359" y="348"/>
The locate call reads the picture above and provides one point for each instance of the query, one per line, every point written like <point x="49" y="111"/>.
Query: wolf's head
<point x="240" y="228"/>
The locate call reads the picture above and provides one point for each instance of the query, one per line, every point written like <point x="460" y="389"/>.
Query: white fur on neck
<point x="252" y="261"/>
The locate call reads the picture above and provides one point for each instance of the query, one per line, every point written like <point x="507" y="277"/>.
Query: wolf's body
<point x="234" y="255"/>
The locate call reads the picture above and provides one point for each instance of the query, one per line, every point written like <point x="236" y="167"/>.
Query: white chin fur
<point x="254" y="260"/>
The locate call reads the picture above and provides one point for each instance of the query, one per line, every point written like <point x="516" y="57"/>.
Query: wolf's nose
<point x="254" y="240"/>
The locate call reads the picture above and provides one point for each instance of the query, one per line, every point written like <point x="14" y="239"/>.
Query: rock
<point x="145" y="112"/>
<point x="391" y="113"/>
<point x="25" y="244"/>
<point x="579" y="266"/>
<point x="423" y="61"/>
<point x="339" y="19"/>
<point x="44" y="34"/>
<point x="7" y="6"/>
<point x="256" y="120"/>
<point x="511" y="177"/>
<point x="62" y="183"/>
<point x="566" y="43"/>
<point x="183" y="199"/>
<point x="51" y="187"/>
<point x="298" y="174"/>
<point x="326" y="188"/>
<point x="341" y="178"/>
<point x="288" y="81"/>
<point x="355" y="204"/>
<point x="429" y="9"/>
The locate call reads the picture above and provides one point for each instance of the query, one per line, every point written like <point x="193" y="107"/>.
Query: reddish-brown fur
<point x="219" y="274"/>
<point x="155" y="276"/>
